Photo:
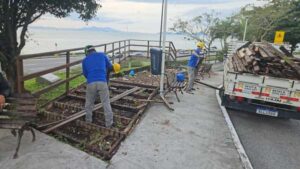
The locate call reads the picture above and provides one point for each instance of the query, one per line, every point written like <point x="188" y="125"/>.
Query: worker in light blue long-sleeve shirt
<point x="195" y="60"/>
<point x="95" y="66"/>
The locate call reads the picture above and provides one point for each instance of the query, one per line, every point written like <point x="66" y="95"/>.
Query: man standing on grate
<point x="95" y="68"/>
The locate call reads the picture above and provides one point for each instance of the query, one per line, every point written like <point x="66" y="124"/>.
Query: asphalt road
<point x="36" y="65"/>
<point x="269" y="142"/>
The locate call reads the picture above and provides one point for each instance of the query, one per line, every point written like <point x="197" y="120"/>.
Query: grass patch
<point x="134" y="62"/>
<point x="32" y="85"/>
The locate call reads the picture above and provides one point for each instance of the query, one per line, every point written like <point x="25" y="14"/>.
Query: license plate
<point x="267" y="112"/>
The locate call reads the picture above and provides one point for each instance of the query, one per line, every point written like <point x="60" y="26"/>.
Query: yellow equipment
<point x="201" y="45"/>
<point x="117" y="67"/>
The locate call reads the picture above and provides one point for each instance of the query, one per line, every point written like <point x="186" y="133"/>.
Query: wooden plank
<point x="82" y="113"/>
<point x="134" y="84"/>
<point x="140" y="91"/>
<point x="76" y="97"/>
<point x="167" y="104"/>
<point x="239" y="64"/>
<point x="249" y="52"/>
<point x="241" y="53"/>
<point x="262" y="52"/>
<point x="293" y="65"/>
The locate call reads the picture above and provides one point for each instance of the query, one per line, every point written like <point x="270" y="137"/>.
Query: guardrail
<point x="211" y="56"/>
<point x="117" y="51"/>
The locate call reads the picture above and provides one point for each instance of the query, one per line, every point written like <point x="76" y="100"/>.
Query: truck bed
<point x="262" y="89"/>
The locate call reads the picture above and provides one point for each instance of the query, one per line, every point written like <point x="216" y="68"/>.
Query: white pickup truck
<point x="265" y="95"/>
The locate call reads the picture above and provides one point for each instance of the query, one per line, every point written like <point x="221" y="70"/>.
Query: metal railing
<point x="117" y="51"/>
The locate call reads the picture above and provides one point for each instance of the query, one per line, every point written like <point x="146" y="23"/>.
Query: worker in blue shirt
<point x="193" y="65"/>
<point x="95" y="66"/>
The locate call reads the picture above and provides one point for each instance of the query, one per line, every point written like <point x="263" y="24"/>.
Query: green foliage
<point x="17" y="15"/>
<point x="263" y="22"/>
<point x="263" y="19"/>
<point x="290" y="24"/>
<point x="200" y="28"/>
<point x="220" y="55"/>
<point x="223" y="29"/>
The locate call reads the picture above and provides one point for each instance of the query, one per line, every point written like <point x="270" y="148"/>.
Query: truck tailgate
<point x="275" y="90"/>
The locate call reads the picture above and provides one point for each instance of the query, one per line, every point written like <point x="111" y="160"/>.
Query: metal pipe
<point x="245" y="31"/>
<point x="164" y="49"/>
<point x="161" y="21"/>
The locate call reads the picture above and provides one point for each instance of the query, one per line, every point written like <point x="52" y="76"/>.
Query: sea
<point x="45" y="40"/>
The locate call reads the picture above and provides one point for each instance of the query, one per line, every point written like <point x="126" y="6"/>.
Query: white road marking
<point x="237" y="142"/>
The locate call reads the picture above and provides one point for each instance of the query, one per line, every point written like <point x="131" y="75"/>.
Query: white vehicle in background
<point x="260" y="94"/>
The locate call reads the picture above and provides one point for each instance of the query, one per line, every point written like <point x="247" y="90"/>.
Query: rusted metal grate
<point x="94" y="138"/>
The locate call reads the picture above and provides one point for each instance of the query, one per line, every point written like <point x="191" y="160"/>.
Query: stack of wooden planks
<point x="264" y="59"/>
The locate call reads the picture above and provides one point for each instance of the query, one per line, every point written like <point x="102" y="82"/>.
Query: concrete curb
<point x="237" y="142"/>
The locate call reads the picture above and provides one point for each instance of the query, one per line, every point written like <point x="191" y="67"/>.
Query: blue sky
<point x="144" y="15"/>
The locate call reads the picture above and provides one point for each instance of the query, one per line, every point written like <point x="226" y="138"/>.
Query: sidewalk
<point x="45" y="153"/>
<point x="194" y="136"/>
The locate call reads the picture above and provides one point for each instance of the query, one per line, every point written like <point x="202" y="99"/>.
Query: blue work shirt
<point x="95" y="66"/>
<point x="195" y="57"/>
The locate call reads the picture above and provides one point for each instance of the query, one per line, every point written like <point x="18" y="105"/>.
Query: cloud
<point x="187" y="1"/>
<point x="144" y="15"/>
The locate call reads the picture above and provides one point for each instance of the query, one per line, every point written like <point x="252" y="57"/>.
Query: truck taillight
<point x="240" y="99"/>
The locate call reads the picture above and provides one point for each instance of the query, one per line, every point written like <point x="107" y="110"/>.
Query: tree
<point x="290" y="24"/>
<point x="17" y="15"/>
<point x="264" y="20"/>
<point x="199" y="28"/>
<point x="223" y="30"/>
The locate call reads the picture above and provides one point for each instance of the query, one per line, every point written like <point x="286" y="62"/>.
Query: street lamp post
<point x="245" y="31"/>
<point x="161" y="21"/>
<point x="162" y="77"/>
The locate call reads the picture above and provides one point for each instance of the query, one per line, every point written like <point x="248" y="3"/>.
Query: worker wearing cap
<point x="195" y="60"/>
<point x="95" y="66"/>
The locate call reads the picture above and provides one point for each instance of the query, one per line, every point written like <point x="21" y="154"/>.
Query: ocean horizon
<point x="45" y="40"/>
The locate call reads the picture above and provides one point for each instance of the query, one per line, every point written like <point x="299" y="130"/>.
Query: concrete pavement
<point x="194" y="136"/>
<point x="45" y="153"/>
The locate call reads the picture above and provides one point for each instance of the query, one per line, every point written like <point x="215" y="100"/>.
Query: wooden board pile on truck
<point x="259" y="78"/>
